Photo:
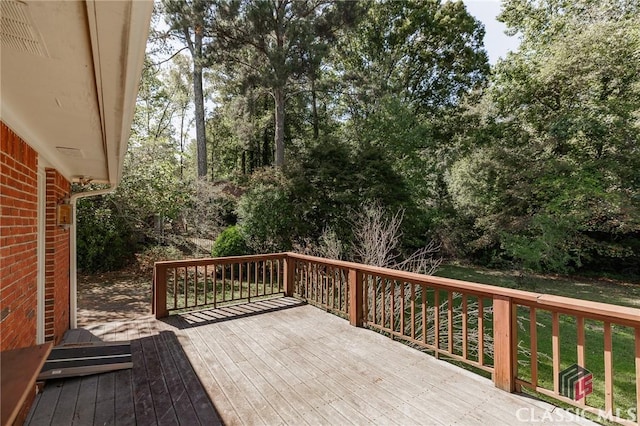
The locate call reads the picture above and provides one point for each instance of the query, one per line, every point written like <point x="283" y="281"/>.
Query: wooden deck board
<point x="63" y="413"/>
<point x="86" y="404"/>
<point x="384" y="381"/>
<point x="278" y="362"/>
<point x="162" y="403"/>
<point x="125" y="411"/>
<point x="105" y="400"/>
<point x="162" y="388"/>
<point x="193" y="391"/>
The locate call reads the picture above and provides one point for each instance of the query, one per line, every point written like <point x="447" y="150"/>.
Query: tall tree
<point x="190" y="22"/>
<point x="556" y="186"/>
<point x="428" y="53"/>
<point x="275" y="41"/>
<point x="179" y="79"/>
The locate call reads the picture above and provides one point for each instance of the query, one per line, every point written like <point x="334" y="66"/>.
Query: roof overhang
<point x="69" y="80"/>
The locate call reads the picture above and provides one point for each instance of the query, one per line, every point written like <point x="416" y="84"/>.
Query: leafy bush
<point x="105" y="242"/>
<point x="267" y="214"/>
<point x="230" y="242"/>
<point x="158" y="253"/>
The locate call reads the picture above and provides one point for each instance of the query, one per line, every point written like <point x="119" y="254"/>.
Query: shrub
<point x="267" y="215"/>
<point x="153" y="254"/>
<point x="105" y="241"/>
<point x="230" y="242"/>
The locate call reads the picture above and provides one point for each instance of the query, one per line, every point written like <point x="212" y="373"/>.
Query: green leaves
<point x="557" y="184"/>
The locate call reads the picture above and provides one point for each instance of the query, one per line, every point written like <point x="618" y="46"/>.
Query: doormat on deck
<point x="82" y="359"/>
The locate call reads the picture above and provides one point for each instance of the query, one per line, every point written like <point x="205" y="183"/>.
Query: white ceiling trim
<point x="81" y="98"/>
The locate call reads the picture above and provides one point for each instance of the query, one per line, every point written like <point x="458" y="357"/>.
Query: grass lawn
<point x="606" y="291"/>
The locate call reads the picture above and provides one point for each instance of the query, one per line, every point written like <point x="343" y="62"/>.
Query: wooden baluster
<point x="450" y="321"/>
<point x="264" y="275"/>
<point x="195" y="285"/>
<point x="580" y="346"/>
<point x="402" y="303"/>
<point x="175" y="288"/>
<point x="555" y="345"/>
<point x="345" y="292"/>
<point x="271" y="274"/>
<point x="332" y="290"/>
<point x="383" y="302"/>
<point x="533" y="333"/>
<point x="327" y="284"/>
<point x="425" y="317"/>
<point x="314" y="283"/>
<point x="436" y="319"/>
<point x="374" y="284"/>
<point x="464" y="326"/>
<point x="413" y="311"/>
<point x="255" y="278"/>
<point x="555" y="349"/>
<point x="215" y="285"/>
<point x="608" y="368"/>
<point x="248" y="278"/>
<point x="365" y="301"/>
<point x="186" y="287"/>
<point x="240" y="282"/>
<point x="480" y="330"/>
<point x="224" y="282"/>
<point x="279" y="278"/>
<point x="206" y="283"/>
<point x="392" y="308"/>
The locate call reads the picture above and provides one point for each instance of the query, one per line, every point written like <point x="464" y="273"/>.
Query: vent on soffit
<point x="70" y="152"/>
<point x="18" y="30"/>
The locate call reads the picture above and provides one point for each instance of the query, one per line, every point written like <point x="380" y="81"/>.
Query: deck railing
<point x="192" y="284"/>
<point x="497" y="330"/>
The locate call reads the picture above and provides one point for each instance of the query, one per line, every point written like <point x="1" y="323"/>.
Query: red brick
<point x="18" y="227"/>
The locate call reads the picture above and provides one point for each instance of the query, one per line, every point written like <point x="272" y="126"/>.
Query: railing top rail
<point x="605" y="311"/>
<point x="219" y="260"/>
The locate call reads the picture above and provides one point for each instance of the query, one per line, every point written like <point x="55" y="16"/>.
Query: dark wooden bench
<point x="19" y="369"/>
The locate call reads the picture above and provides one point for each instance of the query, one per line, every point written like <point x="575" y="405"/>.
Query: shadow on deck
<point x="161" y="388"/>
<point x="277" y="361"/>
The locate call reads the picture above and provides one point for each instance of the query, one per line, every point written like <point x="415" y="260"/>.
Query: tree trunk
<point x="198" y="95"/>
<point x="278" y="94"/>
<point x="267" y="155"/>
<point x="314" y="107"/>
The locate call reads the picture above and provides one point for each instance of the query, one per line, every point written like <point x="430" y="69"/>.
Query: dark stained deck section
<point x="277" y="362"/>
<point x="160" y="389"/>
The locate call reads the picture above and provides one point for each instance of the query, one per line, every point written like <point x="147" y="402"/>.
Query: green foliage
<point x="230" y="242"/>
<point x="546" y="244"/>
<point x="105" y="241"/>
<point x="157" y="253"/>
<point x="534" y="165"/>
<point x="266" y="213"/>
<point x="555" y="185"/>
<point x="428" y="52"/>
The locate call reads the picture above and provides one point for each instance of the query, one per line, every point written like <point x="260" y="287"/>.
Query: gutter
<point x="73" y="252"/>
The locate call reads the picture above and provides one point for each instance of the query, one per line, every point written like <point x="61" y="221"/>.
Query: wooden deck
<point x="276" y="362"/>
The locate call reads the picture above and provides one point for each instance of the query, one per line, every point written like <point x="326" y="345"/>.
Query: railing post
<point x="355" y="298"/>
<point x="505" y="351"/>
<point x="289" y="276"/>
<point x="160" y="291"/>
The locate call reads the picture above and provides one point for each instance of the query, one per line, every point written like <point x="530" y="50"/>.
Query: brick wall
<point x="19" y="247"/>
<point x="18" y="241"/>
<point x="57" y="269"/>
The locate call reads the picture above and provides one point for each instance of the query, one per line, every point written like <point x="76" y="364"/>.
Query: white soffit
<point x="69" y="73"/>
